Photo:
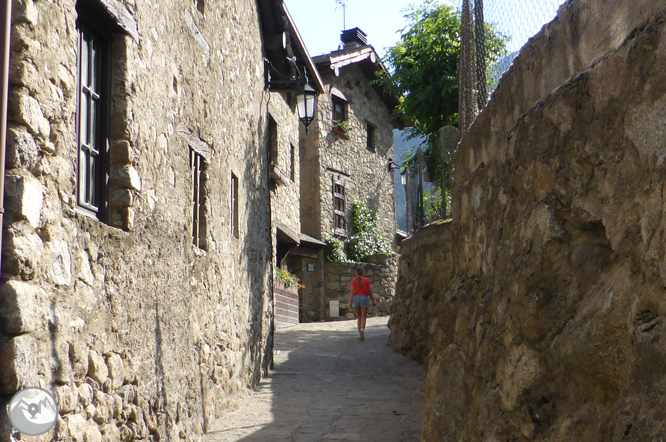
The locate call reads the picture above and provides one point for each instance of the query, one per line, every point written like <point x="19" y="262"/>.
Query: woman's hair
<point x="359" y="271"/>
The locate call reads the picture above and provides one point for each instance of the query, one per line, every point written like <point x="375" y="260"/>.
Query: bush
<point x="367" y="239"/>
<point x="334" y="250"/>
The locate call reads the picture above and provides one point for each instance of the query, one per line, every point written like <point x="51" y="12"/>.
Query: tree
<point x="424" y="73"/>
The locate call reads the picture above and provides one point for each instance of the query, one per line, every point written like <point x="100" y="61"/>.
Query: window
<point x="339" y="213"/>
<point x="292" y="156"/>
<point x="234" y="205"/>
<point x="371" y="137"/>
<point x="339" y="109"/>
<point x="272" y="141"/>
<point x="92" y="114"/>
<point x="197" y="165"/>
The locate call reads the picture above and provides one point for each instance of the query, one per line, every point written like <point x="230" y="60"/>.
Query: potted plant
<point x="342" y="128"/>
<point x="287" y="279"/>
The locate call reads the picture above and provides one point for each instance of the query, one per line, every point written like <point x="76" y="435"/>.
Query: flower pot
<point x="340" y="131"/>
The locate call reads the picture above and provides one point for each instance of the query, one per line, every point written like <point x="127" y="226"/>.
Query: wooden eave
<point x="313" y="73"/>
<point x="275" y="19"/>
<point x="368" y="61"/>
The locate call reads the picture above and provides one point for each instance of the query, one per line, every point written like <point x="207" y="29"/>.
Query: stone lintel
<point x="196" y="143"/>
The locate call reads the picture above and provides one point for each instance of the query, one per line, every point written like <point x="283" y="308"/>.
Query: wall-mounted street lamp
<point x="306" y="102"/>
<point x="392" y="165"/>
<point x="403" y="177"/>
<point x="306" y="97"/>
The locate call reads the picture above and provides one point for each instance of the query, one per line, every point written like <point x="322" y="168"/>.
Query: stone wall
<point x="545" y="317"/>
<point x="285" y="197"/>
<point x="381" y="272"/>
<point x="583" y="31"/>
<point x="140" y="333"/>
<point x="423" y="269"/>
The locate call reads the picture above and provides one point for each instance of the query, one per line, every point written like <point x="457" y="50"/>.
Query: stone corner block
<point x="122" y="198"/>
<point x="126" y="177"/>
<point x="24" y="198"/>
<point x="24" y="109"/>
<point x="18" y="364"/>
<point x="21" y="307"/>
<point x="121" y="152"/>
<point x="60" y="270"/>
<point x="22" y="150"/>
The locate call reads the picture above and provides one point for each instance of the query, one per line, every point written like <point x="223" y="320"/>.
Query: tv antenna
<point x="343" y="4"/>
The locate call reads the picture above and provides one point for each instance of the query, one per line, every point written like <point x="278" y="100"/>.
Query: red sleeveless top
<point x="363" y="288"/>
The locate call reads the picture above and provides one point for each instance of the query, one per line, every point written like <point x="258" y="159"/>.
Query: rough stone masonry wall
<point x="322" y="149"/>
<point x="424" y="269"/>
<point x="370" y="181"/>
<point x="583" y="31"/>
<point x="548" y="326"/>
<point x="382" y="273"/>
<point x="285" y="198"/>
<point x="140" y="334"/>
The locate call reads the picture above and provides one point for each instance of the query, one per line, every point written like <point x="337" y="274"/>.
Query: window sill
<point x="278" y="176"/>
<point x="340" y="232"/>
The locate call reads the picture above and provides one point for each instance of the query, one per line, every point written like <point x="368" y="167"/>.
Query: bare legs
<point x="361" y="314"/>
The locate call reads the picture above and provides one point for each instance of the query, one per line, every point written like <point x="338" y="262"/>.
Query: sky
<point x="320" y="22"/>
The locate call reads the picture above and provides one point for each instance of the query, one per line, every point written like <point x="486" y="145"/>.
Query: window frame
<point x="336" y="116"/>
<point x="273" y="141"/>
<point x="339" y="207"/>
<point x="371" y="135"/>
<point x="91" y="185"/>
<point x="199" y="221"/>
<point x="292" y="159"/>
<point x="234" y="206"/>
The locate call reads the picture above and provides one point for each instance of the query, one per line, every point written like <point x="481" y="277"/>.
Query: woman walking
<point x="358" y="299"/>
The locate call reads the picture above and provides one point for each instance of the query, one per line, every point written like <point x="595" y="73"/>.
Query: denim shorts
<point x="361" y="301"/>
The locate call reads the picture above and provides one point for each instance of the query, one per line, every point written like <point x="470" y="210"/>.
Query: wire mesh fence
<point x="514" y="21"/>
<point x="479" y="71"/>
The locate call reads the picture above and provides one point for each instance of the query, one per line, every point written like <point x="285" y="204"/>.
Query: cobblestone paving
<point x="329" y="386"/>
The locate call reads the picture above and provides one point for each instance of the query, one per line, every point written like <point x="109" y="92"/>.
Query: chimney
<point x="353" y="38"/>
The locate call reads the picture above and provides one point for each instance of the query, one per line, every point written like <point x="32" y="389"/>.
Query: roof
<point x="310" y="241"/>
<point x="370" y="63"/>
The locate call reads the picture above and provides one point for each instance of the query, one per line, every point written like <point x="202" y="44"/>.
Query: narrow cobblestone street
<point x="329" y="386"/>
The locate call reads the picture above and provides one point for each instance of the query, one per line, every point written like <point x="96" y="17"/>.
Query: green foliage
<point x="424" y="66"/>
<point x="345" y="126"/>
<point x="287" y="279"/>
<point x="435" y="207"/>
<point x="367" y="239"/>
<point x="334" y="250"/>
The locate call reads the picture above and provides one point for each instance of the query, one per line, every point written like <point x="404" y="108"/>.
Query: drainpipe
<point x="6" y="23"/>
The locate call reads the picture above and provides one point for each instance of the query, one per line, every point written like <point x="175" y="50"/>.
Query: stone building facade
<point x="338" y="166"/>
<point x="136" y="259"/>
